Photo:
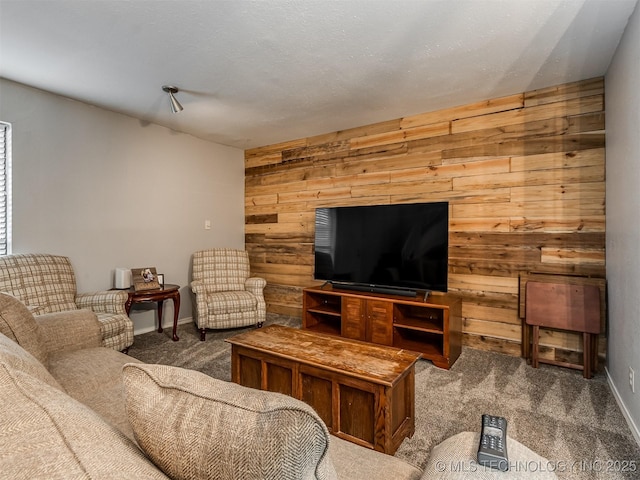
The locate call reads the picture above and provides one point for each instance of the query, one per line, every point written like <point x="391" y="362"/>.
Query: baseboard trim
<point x="627" y="416"/>
<point x="165" y="325"/>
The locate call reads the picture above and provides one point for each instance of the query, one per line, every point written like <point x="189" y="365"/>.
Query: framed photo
<point x="144" y="278"/>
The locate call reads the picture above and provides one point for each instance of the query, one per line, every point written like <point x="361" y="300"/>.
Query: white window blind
<point x="5" y="188"/>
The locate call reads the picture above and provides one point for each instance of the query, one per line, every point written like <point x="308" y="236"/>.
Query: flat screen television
<point x="399" y="249"/>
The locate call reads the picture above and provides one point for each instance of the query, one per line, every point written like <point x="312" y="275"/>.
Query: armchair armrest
<point x="70" y="330"/>
<point x="199" y="288"/>
<point x="255" y="285"/>
<point x="107" y="301"/>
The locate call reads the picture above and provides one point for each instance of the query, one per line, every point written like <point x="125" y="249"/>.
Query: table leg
<point x="526" y="341"/>
<point x="176" y="311"/>
<point x="587" y="354"/>
<point x="160" y="316"/>
<point x="536" y="339"/>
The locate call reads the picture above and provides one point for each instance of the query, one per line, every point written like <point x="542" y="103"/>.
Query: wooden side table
<point x="571" y="307"/>
<point x="159" y="295"/>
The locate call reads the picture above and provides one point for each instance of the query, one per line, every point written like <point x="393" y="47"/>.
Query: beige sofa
<point x="47" y="285"/>
<point x="72" y="408"/>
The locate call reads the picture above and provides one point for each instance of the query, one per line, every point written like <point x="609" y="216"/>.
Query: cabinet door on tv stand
<point x="379" y="322"/>
<point x="353" y="318"/>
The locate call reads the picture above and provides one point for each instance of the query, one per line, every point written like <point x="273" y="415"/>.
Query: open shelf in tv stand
<point x="432" y="327"/>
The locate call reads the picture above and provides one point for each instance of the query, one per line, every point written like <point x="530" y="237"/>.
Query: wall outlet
<point x="207" y="224"/>
<point x="632" y="380"/>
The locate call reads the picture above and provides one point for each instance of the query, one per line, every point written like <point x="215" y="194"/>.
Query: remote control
<point x="492" y="450"/>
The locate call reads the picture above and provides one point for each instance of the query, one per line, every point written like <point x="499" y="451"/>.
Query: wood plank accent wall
<point x="524" y="175"/>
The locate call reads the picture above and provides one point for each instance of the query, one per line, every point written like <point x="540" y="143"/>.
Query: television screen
<point x="402" y="246"/>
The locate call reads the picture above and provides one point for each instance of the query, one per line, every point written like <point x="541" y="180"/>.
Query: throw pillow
<point x="17" y="323"/>
<point x="196" y="427"/>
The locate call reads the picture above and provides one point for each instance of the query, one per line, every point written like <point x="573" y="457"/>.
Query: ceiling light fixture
<point x="175" y="104"/>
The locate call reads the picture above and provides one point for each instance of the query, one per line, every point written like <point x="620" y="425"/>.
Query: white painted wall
<point x="108" y="190"/>
<point x="622" y="96"/>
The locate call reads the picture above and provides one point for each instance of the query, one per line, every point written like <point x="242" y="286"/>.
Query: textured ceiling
<point x="253" y="73"/>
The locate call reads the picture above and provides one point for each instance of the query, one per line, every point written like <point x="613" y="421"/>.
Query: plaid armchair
<point x="226" y="296"/>
<point x="46" y="284"/>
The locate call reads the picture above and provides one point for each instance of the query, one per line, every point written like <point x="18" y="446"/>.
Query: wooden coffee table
<point x="363" y="392"/>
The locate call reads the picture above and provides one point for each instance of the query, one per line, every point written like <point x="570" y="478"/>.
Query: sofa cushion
<point x="456" y="459"/>
<point x="15" y="357"/>
<point x="17" y="323"/>
<point x="231" y="302"/>
<point x="352" y="462"/>
<point x="46" y="434"/>
<point x="93" y="376"/>
<point x="217" y="429"/>
<point x="72" y="330"/>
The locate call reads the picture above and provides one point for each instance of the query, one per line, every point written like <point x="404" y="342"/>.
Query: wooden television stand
<point x="432" y="327"/>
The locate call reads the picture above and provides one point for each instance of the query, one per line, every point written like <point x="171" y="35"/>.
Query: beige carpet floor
<point x="575" y="423"/>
